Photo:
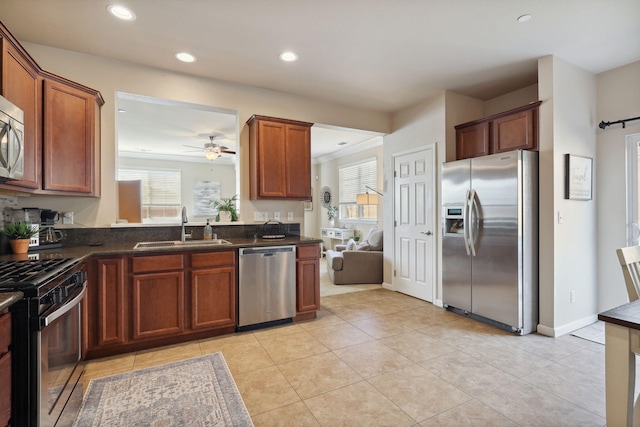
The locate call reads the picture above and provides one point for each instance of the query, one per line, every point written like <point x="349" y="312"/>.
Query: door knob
<point x="428" y="233"/>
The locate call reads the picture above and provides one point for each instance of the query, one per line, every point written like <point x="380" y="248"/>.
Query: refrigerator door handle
<point x="465" y="226"/>
<point x="472" y="206"/>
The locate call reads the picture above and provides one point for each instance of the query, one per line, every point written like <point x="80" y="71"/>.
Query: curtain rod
<point x="604" y="124"/>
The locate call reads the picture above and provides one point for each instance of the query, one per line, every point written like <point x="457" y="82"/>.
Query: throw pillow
<point x="351" y="245"/>
<point x="364" y="246"/>
<point x="375" y="239"/>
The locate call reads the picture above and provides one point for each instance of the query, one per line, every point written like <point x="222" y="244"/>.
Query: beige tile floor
<point x="380" y="358"/>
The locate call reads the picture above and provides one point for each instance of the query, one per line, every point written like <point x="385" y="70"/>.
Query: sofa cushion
<point x="364" y="246"/>
<point x="374" y="238"/>
<point x="351" y="245"/>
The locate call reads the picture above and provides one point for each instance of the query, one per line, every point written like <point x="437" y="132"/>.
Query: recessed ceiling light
<point x="121" y="110"/>
<point x="185" y="57"/>
<point x="121" y="12"/>
<point x="288" y="56"/>
<point x="523" y="18"/>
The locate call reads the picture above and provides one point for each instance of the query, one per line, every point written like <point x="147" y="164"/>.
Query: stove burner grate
<point x="30" y="272"/>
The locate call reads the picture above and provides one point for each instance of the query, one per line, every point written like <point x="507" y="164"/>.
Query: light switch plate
<point x="289" y="216"/>
<point x="276" y="216"/>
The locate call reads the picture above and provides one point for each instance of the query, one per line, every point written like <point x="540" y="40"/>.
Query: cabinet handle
<point x="428" y="233"/>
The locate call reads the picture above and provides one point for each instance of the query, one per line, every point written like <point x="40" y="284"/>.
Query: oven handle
<point x="65" y="308"/>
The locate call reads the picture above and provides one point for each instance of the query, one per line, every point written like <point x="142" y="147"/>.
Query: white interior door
<point x="414" y="213"/>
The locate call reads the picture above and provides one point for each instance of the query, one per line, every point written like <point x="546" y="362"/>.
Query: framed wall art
<point x="578" y="177"/>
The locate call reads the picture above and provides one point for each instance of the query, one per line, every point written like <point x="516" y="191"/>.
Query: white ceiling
<point x="373" y="54"/>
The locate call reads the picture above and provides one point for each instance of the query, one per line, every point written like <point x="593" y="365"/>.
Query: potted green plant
<point x="19" y="234"/>
<point x="332" y="213"/>
<point x="226" y="206"/>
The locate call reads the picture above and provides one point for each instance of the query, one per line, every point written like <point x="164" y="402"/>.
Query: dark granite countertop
<point x="7" y="299"/>
<point x="84" y="251"/>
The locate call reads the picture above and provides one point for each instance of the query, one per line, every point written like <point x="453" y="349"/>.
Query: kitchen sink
<point x="178" y="243"/>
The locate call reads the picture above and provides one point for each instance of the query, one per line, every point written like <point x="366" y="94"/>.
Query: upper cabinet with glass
<point x="182" y="154"/>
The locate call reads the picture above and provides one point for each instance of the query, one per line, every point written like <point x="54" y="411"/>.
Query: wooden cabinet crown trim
<point x="529" y="106"/>
<point x="256" y="117"/>
<point x="6" y="35"/>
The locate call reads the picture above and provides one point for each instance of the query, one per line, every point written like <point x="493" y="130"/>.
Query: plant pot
<point x="20" y="246"/>
<point x="225" y="216"/>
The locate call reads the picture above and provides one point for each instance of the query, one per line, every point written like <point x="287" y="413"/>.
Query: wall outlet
<point x="572" y="296"/>
<point x="67" y="217"/>
<point x="260" y="216"/>
<point x="289" y="216"/>
<point x="276" y="216"/>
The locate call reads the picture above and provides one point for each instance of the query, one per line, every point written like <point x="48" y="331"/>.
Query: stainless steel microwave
<point x="11" y="141"/>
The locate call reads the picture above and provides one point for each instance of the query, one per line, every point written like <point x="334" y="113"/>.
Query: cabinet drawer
<point x="308" y="251"/>
<point x="5" y="332"/>
<point x="156" y="263"/>
<point x="213" y="259"/>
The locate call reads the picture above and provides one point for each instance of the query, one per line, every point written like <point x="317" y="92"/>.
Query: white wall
<point x="511" y="100"/>
<point x="109" y="76"/>
<point x="569" y="97"/>
<point x="618" y="93"/>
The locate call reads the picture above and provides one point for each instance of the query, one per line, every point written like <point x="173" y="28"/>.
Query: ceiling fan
<point x="212" y="150"/>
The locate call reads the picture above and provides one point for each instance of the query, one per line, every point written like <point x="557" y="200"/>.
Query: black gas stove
<point x="46" y="327"/>
<point x="32" y="277"/>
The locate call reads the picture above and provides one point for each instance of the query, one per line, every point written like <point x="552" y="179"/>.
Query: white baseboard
<point x="568" y="328"/>
<point x="388" y="286"/>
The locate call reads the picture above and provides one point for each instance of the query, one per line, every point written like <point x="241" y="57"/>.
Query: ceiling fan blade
<point x="228" y="151"/>
<point x="191" y="146"/>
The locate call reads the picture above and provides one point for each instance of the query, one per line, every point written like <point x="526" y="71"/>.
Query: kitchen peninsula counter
<point x="154" y="296"/>
<point x="92" y="249"/>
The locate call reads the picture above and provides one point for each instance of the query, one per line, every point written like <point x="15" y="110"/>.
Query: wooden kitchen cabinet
<point x="279" y="158"/>
<point x="106" y="314"/>
<point x="472" y="141"/>
<point x="5" y="367"/>
<point x="157" y="296"/>
<point x="61" y="121"/>
<point x="213" y="290"/>
<point x="22" y="85"/>
<point x="70" y="135"/>
<point x="307" y="281"/>
<point x="511" y="130"/>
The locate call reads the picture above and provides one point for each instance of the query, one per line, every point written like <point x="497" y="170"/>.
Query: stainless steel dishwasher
<point x="267" y="288"/>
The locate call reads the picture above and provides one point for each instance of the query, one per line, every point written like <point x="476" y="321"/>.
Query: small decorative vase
<point x="19" y="246"/>
<point x="332" y="223"/>
<point x="225" y="216"/>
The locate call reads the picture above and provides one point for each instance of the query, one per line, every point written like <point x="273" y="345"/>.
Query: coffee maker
<point x="49" y="237"/>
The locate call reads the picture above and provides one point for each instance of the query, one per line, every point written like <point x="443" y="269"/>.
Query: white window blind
<point x="160" y="189"/>
<point x="354" y="180"/>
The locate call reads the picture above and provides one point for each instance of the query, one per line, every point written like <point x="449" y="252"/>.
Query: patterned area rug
<point x="192" y="392"/>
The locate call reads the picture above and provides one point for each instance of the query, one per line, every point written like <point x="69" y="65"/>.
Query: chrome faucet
<point x="183" y="236"/>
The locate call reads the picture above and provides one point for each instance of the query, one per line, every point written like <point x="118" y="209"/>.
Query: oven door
<point x="60" y="365"/>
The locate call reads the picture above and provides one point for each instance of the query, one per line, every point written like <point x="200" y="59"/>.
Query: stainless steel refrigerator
<point x="490" y="239"/>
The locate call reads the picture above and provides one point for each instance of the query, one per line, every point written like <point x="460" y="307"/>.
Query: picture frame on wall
<point x="578" y="177"/>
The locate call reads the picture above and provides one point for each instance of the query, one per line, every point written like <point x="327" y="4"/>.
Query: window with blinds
<point x="354" y="180"/>
<point x="161" y="198"/>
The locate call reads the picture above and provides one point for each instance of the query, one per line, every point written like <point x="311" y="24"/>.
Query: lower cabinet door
<point x="158" y="304"/>
<point x="213" y="298"/>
